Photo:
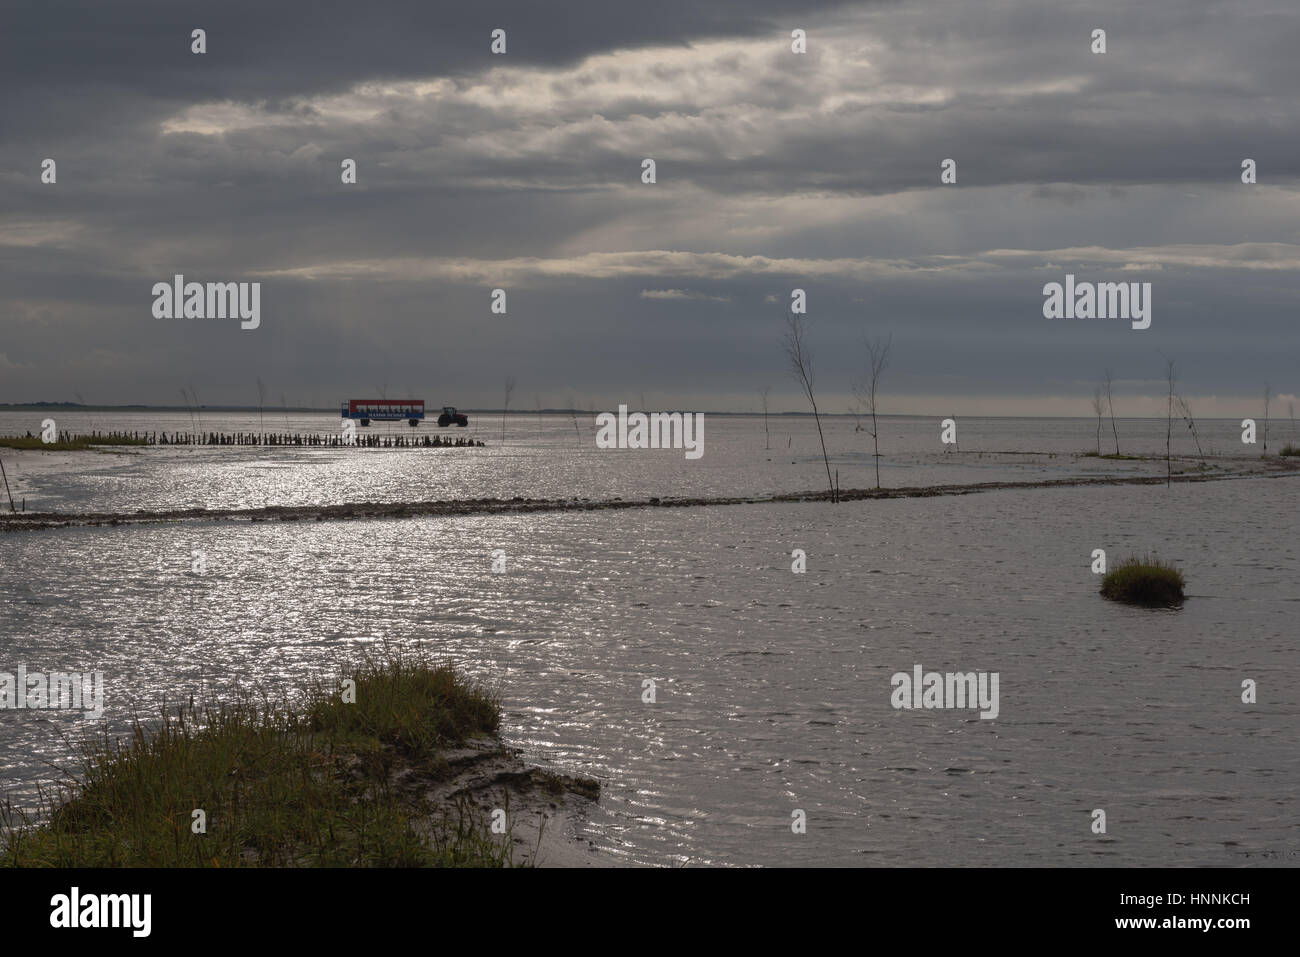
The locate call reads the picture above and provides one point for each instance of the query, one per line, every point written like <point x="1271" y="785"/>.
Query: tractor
<point x="450" y="416"/>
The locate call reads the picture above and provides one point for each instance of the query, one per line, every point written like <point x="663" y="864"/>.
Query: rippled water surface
<point x="556" y="457"/>
<point x="773" y="689"/>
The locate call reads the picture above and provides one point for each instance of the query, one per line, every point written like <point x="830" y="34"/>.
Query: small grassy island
<point x="1144" y="581"/>
<point x="400" y="770"/>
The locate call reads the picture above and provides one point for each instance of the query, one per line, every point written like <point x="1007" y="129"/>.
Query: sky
<point x="775" y="170"/>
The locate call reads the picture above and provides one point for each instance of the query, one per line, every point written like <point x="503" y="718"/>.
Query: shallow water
<point x="773" y="689"/>
<point x="546" y="457"/>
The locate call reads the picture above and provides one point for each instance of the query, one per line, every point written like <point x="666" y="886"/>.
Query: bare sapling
<point x="801" y="368"/>
<point x="868" y="392"/>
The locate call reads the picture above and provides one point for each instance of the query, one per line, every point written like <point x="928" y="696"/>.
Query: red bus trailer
<point x="384" y="410"/>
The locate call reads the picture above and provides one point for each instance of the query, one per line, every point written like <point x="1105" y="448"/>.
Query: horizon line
<point x="546" y="411"/>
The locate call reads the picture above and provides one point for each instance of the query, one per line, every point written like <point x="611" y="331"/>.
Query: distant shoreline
<point x="330" y="410"/>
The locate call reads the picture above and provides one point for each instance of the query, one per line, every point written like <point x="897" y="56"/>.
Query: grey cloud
<point x="476" y="170"/>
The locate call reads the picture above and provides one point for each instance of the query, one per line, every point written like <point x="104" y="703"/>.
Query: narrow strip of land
<point x="32" y="521"/>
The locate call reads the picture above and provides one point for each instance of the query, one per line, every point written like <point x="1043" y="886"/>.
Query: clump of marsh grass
<point x="1290" y="450"/>
<point x="406" y="707"/>
<point x="1144" y="581"/>
<point x="278" y="787"/>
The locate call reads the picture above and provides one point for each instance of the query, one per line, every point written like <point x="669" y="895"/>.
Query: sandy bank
<point x="493" y="506"/>
<point x="544" y="810"/>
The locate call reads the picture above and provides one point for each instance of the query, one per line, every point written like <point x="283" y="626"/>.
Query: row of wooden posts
<point x="295" y="439"/>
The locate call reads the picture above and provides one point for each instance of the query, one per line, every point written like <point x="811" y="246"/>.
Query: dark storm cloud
<point x="774" y="171"/>
<point x="61" y="62"/>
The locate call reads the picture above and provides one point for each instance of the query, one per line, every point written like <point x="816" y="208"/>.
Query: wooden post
<point x="7" y="492"/>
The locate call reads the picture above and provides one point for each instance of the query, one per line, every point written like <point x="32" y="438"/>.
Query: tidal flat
<point x="771" y="687"/>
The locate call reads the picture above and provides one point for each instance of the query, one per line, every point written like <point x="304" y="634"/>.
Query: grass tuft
<point x="279" y="787"/>
<point x="1144" y="581"/>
